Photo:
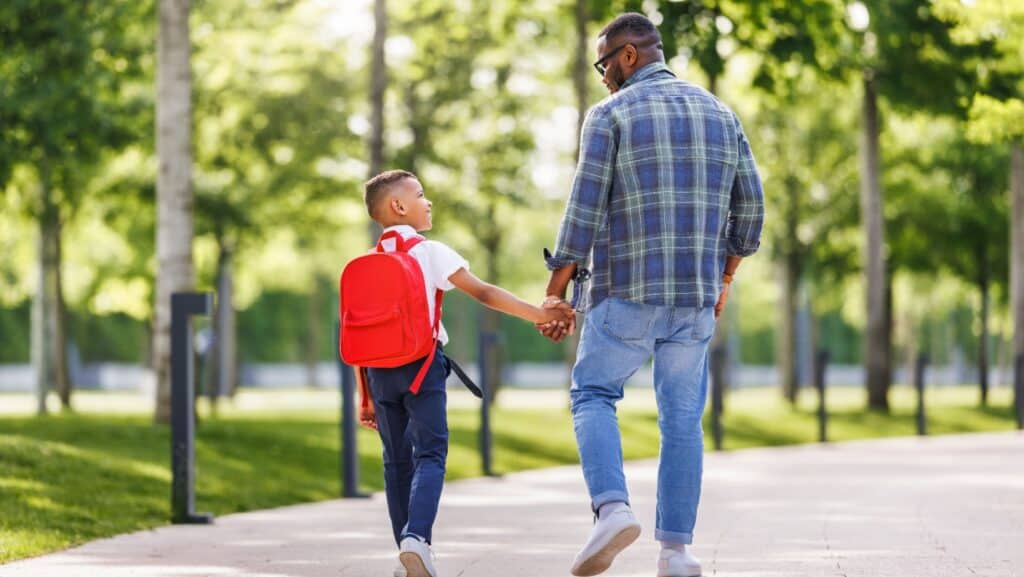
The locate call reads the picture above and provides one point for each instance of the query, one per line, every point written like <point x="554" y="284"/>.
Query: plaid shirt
<point x="665" y="188"/>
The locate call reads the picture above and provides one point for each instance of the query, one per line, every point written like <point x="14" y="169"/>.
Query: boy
<point x="414" y="427"/>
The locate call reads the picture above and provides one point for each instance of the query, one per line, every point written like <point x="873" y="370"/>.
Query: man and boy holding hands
<point x="665" y="203"/>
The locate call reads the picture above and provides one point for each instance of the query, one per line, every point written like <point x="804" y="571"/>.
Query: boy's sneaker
<point x="400" y="572"/>
<point x="611" y="534"/>
<point x="672" y="563"/>
<point x="417" y="558"/>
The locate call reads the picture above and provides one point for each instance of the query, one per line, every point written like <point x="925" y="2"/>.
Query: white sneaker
<point x="417" y="558"/>
<point x="400" y="572"/>
<point x="611" y="534"/>
<point x="672" y="563"/>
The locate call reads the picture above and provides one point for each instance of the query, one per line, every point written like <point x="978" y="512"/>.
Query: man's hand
<point x="720" y="305"/>
<point x="557" y="330"/>
<point x="368" y="417"/>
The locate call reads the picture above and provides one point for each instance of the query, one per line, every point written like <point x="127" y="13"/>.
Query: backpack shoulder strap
<point x="422" y="373"/>
<point x="401" y="244"/>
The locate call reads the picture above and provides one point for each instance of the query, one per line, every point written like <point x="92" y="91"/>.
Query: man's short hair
<point x="630" y="24"/>
<point x="375" y="188"/>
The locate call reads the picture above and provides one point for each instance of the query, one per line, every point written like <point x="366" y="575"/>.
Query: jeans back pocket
<point x="628" y="321"/>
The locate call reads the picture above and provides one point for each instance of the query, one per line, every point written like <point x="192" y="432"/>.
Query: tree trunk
<point x="49" y="357"/>
<point x="876" y="349"/>
<point x="312" y="353"/>
<point x="581" y="68"/>
<point x="787" y="353"/>
<point x="227" y="334"/>
<point x="63" y="377"/>
<point x="490" y="320"/>
<point x="378" y="86"/>
<point x="174" y="185"/>
<point x="1017" y="250"/>
<point x="983" y="291"/>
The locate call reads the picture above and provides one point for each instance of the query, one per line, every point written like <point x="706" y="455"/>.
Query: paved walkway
<point x="942" y="506"/>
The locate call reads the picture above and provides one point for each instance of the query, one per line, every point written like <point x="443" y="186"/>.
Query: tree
<point x="174" y="185"/>
<point x="57" y="131"/>
<point x="378" y="87"/>
<point x="264" y="151"/>
<point x="905" y="57"/>
<point x="997" y="116"/>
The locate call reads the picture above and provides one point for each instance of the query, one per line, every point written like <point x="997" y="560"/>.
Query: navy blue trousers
<point x="414" y="432"/>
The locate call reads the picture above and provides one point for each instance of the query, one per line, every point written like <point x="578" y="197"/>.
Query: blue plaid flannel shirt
<point x="665" y="188"/>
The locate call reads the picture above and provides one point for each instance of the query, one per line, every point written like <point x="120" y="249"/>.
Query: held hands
<point x="559" y="321"/>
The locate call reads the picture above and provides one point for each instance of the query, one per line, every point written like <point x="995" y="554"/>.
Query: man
<point x="665" y="203"/>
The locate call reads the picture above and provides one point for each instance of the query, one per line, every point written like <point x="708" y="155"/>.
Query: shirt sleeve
<point x="444" y="262"/>
<point x="587" y="208"/>
<point x="746" y="203"/>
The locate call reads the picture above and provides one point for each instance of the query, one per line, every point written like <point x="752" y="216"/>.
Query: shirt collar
<point x="403" y="229"/>
<point x="648" y="71"/>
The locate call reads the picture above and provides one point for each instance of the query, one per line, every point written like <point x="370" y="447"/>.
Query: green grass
<point x="70" y="478"/>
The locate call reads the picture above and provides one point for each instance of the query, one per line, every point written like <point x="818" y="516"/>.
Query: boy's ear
<point x="396" y="205"/>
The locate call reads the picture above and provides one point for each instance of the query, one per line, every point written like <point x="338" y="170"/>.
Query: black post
<point x="487" y="340"/>
<point x="1018" y="390"/>
<point x="183" y="418"/>
<point x="922" y="419"/>
<point x="718" y="359"/>
<point x="820" y="364"/>
<point x="349" y="461"/>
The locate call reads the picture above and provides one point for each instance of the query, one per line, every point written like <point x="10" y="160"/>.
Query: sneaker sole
<point x="413" y="564"/>
<point x="600" y="562"/>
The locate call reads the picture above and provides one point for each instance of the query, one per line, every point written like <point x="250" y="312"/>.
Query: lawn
<point x="69" y="478"/>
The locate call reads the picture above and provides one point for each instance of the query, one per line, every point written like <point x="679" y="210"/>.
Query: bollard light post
<point x="1018" y="390"/>
<point x="349" y="461"/>
<point x="719" y="358"/>
<point x="487" y="342"/>
<point x="922" y="418"/>
<point x="820" y="364"/>
<point x="183" y="418"/>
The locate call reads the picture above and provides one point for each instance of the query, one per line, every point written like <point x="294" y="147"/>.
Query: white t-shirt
<point x="438" y="262"/>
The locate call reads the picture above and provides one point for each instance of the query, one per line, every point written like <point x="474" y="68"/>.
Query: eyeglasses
<point x="599" y="65"/>
<point x="601" y="68"/>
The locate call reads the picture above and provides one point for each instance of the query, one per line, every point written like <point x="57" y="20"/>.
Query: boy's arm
<point x="500" y="299"/>
<point x="367" y="414"/>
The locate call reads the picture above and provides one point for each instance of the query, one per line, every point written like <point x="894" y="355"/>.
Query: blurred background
<point x="888" y="134"/>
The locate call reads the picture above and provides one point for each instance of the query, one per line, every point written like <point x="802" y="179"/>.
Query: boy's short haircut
<point x="374" y="189"/>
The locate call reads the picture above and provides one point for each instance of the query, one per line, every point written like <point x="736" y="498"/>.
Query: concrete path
<point x="943" y="506"/>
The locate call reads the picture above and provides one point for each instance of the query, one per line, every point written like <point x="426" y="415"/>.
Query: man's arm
<point x="587" y="207"/>
<point x="746" y="216"/>
<point x="585" y="211"/>
<point x="746" y="202"/>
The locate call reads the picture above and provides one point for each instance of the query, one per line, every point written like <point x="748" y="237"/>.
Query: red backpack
<point x="385" y="322"/>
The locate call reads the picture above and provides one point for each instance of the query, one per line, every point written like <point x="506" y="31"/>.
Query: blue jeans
<point x="414" y="432"/>
<point x="618" y="338"/>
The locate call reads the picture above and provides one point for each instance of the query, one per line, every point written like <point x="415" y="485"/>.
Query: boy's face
<point x="409" y="201"/>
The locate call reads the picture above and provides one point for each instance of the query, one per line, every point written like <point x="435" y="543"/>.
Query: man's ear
<point x="632" y="56"/>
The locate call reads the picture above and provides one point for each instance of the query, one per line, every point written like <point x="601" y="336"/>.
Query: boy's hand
<point x="368" y="417"/>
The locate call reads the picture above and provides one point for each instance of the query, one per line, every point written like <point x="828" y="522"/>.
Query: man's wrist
<point x="727" y="278"/>
<point x="553" y="300"/>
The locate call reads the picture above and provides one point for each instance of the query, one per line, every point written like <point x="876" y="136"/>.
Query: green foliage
<point x="14" y="333"/>
<point x="63" y="102"/>
<point x="480" y="103"/>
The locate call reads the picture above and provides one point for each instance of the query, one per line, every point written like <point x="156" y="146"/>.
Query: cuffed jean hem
<point x="673" y="537"/>
<point x="609" y="497"/>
